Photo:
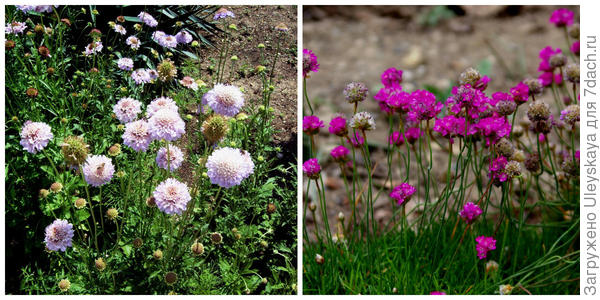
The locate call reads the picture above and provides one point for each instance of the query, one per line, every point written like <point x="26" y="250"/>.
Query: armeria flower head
<point x="161" y="103"/>
<point x="171" y="161"/>
<point x="357" y="140"/>
<point x="396" y="139"/>
<point x="172" y="196"/>
<point x="570" y="114"/>
<point x="451" y="126"/>
<point x="545" y="55"/>
<point x="575" y="47"/>
<point x="223" y="13"/>
<point x="493" y="128"/>
<point x="391" y="78"/>
<point x="311" y="125"/>
<point x="484" y="245"/>
<point x="561" y="17"/>
<point x="309" y="62"/>
<point x="98" y="170"/>
<point x="470" y="212"/>
<point x="189" y="83"/>
<point x="133" y="42"/>
<point x="59" y="235"/>
<point x="147" y="19"/>
<point x="396" y="101"/>
<point x="137" y="135"/>
<point x="311" y="168"/>
<point x="35" y="136"/>
<point x="548" y="78"/>
<point x="403" y="193"/>
<point x="224" y="99"/>
<point x="423" y="106"/>
<point x="467" y="100"/>
<point x="496" y="168"/>
<point x="125" y="63"/>
<point x="520" y="93"/>
<point x="184" y="37"/>
<point x="413" y="134"/>
<point x="227" y="167"/>
<point x="127" y="109"/>
<point x="337" y="126"/>
<point x="167" y="125"/>
<point x="362" y="121"/>
<point x="356" y="92"/>
<point x="340" y="153"/>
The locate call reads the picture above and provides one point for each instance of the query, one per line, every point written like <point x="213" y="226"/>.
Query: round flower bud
<point x="264" y="244"/>
<point x="39" y="29"/>
<point x="261" y="46"/>
<point x="64" y="285"/>
<point x="572" y="73"/>
<point x="557" y="60"/>
<point x="341" y="216"/>
<point x="114" y="150"/>
<point x="319" y="259"/>
<point x="532" y="163"/>
<point x="138" y="242"/>
<point x="100" y="264"/>
<point x="362" y="121"/>
<point x="491" y="266"/>
<point x="312" y="206"/>
<point x="469" y="76"/>
<point x="44" y="193"/>
<point x="157" y="254"/>
<point x="9" y="44"/>
<point x="195" y="44"/>
<point x="150" y="202"/>
<point x="512" y="169"/>
<point x="506" y="108"/>
<point x="233" y="27"/>
<point x="538" y="111"/>
<point x="356" y="92"/>
<point x="74" y="150"/>
<point x="573" y="31"/>
<point x="80" y="203"/>
<point x="234" y="58"/>
<point x="197" y="248"/>
<point x="214" y="128"/>
<point x="535" y="86"/>
<point x="170" y="278"/>
<point x="31" y="92"/>
<point x="112" y="213"/>
<point x="216" y="238"/>
<point x="505" y="148"/>
<point x="264" y="280"/>
<point x="56" y="187"/>
<point x="271" y="208"/>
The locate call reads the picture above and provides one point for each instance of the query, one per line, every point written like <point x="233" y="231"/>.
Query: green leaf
<point x="127" y="250"/>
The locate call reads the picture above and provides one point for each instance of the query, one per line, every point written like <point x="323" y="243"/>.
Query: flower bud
<point x="64" y="285"/>
<point x="197" y="248"/>
<point x="56" y="187"/>
<point x="112" y="213"/>
<point x="572" y="73"/>
<point x="80" y="203"/>
<point x="157" y="254"/>
<point x="74" y="150"/>
<point x="100" y="264"/>
<point x="214" y="128"/>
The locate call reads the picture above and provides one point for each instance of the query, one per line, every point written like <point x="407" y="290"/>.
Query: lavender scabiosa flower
<point x="157" y="35"/>
<point x="338" y="126"/>
<point x="403" y="193"/>
<point x="484" y="245"/>
<point x="340" y="153"/>
<point x="171" y="196"/>
<point x="311" y="125"/>
<point x="141" y="76"/>
<point x="311" y="168"/>
<point x="561" y="17"/>
<point x="161" y="103"/>
<point x="309" y="62"/>
<point x="423" y="106"/>
<point x="59" y="235"/>
<point x="189" y="83"/>
<point x="35" y="136"/>
<point x="93" y="48"/>
<point x="470" y="212"/>
<point x="168" y="41"/>
<point x="391" y="78"/>
<point x="184" y="37"/>
<point x="223" y="13"/>
<point x="125" y="63"/>
<point x="356" y="92"/>
<point x="15" y="27"/>
<point x="224" y="99"/>
<point x="127" y="109"/>
<point x="137" y="135"/>
<point x="227" y="167"/>
<point x="120" y="29"/>
<point x="98" y="170"/>
<point x="147" y="19"/>
<point x="133" y="42"/>
<point x="167" y="125"/>
<point x="362" y="121"/>
<point x="172" y="161"/>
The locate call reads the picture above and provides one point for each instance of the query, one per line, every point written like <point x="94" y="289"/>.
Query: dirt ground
<point x="357" y="43"/>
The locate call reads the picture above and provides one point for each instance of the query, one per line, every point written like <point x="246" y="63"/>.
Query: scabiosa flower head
<point x="127" y="109"/>
<point x="496" y="169"/>
<point x="216" y="238"/>
<point x="147" y="19"/>
<point x="227" y="166"/>
<point x="173" y="160"/>
<point x="423" y="106"/>
<point x="197" y="248"/>
<point x="338" y="127"/>
<point x="561" y="17"/>
<point x="161" y="103"/>
<point x="125" y="63"/>
<point x="74" y="150"/>
<point x="470" y="212"/>
<point x="120" y="29"/>
<point x="391" y="77"/>
<point x="166" y="124"/>
<point x="224" y="99"/>
<point x="413" y="134"/>
<point x="484" y="245"/>
<point x="168" y="41"/>
<point x="166" y="70"/>
<point x="80" y="203"/>
<point x="493" y="128"/>
<point x="572" y="73"/>
<point x="311" y="125"/>
<point x="311" y="168"/>
<point x="171" y="196"/>
<point x="215" y="128"/>
<point x="357" y="140"/>
<point x="362" y="121"/>
<point x="396" y="139"/>
<point x="141" y="76"/>
<point x="570" y="114"/>
<point x="538" y="111"/>
<point x="184" y="37"/>
<point x="15" y="27"/>
<point x="223" y="13"/>
<point x="189" y="83"/>
<point x="309" y="62"/>
<point x="520" y="93"/>
<point x="35" y="136"/>
<point x="93" y="48"/>
<point x="575" y="47"/>
<point x="133" y="42"/>
<point x="356" y="92"/>
<point x="98" y="170"/>
<point x="403" y="193"/>
<point x="340" y="153"/>
<point x="59" y="235"/>
<point x="137" y="135"/>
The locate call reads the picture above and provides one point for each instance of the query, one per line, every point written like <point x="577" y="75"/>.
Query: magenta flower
<point x="98" y="170"/>
<point x="451" y="126"/>
<point x="311" y="124"/>
<point x="423" y="106"/>
<point x="413" y="134"/>
<point x="403" y="192"/>
<point x="545" y="55"/>
<point x="340" y="153"/>
<point x="470" y="212"/>
<point x="547" y="78"/>
<point x="309" y="62"/>
<point x="437" y="293"/>
<point x="399" y="101"/>
<point x="311" y="168"/>
<point x="484" y="245"/>
<point x="337" y="126"/>
<point x="59" y="235"/>
<point x="482" y="83"/>
<point x="172" y="196"/>
<point x="391" y="77"/>
<point x="396" y="139"/>
<point x="493" y="128"/>
<point x="357" y="140"/>
<point x="520" y="93"/>
<point x="542" y="138"/>
<point x="562" y="17"/>
<point x="469" y="99"/>
<point x="575" y="47"/>
<point x="35" y="136"/>
<point x="496" y="169"/>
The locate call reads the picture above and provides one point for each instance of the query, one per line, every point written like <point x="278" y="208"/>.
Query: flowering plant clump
<point x="464" y="183"/>
<point x="140" y="160"/>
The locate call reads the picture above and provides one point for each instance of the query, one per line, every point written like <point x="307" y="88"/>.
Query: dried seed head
<point x="271" y="208"/>
<point x="518" y="131"/>
<point x="572" y="73"/>
<point x="166" y="70"/>
<point x="138" y="242"/>
<point x="39" y="29"/>
<point x="112" y="213"/>
<point x="9" y="44"/>
<point x="543" y="126"/>
<point x="197" y="248"/>
<point x="518" y="155"/>
<point x="469" y="76"/>
<point x="56" y="187"/>
<point x="570" y="114"/>
<point x="505" y="148"/>
<point x="114" y="150"/>
<point x="532" y="163"/>
<point x="150" y="202"/>
<point x="558" y="60"/>
<point x="512" y="169"/>
<point x="535" y="86"/>
<point x="31" y="92"/>
<point x="215" y="128"/>
<point x="44" y="193"/>
<point x="157" y="254"/>
<point x="64" y="285"/>
<point x="573" y="31"/>
<point x="170" y="278"/>
<point x="356" y="92"/>
<point x="74" y="150"/>
<point x="100" y="264"/>
<point x="570" y="167"/>
<point x="538" y="111"/>
<point x="505" y="108"/>
<point x="80" y="203"/>
<point x="216" y="238"/>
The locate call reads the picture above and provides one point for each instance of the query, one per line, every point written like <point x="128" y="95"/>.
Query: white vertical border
<point x="299" y="106"/>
